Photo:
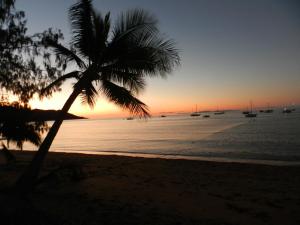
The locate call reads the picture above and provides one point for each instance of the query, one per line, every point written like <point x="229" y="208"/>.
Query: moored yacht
<point x="250" y="113"/>
<point x="196" y="113"/>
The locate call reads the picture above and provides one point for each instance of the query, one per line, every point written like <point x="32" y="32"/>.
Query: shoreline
<point x="181" y="157"/>
<point x="106" y="189"/>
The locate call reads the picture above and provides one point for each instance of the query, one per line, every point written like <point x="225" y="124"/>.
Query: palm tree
<point x="113" y="61"/>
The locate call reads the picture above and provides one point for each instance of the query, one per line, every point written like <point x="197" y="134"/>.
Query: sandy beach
<point x="91" y="189"/>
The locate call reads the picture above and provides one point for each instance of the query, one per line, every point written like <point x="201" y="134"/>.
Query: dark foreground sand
<point x="89" y="189"/>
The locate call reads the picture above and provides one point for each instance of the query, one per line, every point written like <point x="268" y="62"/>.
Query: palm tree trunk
<point x="27" y="180"/>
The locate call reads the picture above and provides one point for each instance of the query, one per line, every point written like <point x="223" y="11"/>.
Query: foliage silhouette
<point x="111" y="60"/>
<point x="19" y="132"/>
<point x="17" y="128"/>
<point x="20" y="71"/>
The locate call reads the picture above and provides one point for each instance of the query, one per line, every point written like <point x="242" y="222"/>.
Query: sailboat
<point x="219" y="112"/>
<point x="250" y="114"/>
<point x="290" y="109"/>
<point x="196" y="113"/>
<point x="268" y="110"/>
<point x="287" y="110"/>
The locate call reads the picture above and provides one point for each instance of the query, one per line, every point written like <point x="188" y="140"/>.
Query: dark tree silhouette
<point x="19" y="131"/>
<point x="16" y="126"/>
<point x="20" y="72"/>
<point x="111" y="60"/>
<point x="5" y="8"/>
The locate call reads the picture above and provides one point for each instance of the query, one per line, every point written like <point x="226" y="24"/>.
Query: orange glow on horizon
<point x="207" y="100"/>
<point x="108" y="110"/>
<point x="104" y="109"/>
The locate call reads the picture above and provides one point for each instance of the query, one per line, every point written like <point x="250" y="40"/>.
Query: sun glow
<point x="162" y="104"/>
<point x="161" y="99"/>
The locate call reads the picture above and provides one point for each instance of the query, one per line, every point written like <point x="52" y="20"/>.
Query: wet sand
<point x="91" y="189"/>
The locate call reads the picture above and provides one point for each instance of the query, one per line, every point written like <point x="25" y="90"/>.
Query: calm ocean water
<point x="231" y="136"/>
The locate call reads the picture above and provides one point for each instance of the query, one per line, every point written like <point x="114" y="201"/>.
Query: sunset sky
<point x="232" y="51"/>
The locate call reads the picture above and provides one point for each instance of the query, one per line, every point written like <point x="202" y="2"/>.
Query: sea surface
<point x="273" y="137"/>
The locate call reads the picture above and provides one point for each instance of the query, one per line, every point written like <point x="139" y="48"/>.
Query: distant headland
<point x="8" y="113"/>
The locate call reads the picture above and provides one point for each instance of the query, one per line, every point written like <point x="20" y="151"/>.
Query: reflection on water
<point x="270" y="136"/>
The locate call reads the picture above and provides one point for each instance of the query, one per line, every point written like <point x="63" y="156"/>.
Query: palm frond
<point x="101" y="28"/>
<point x="131" y="80"/>
<point x="151" y="56"/>
<point x="80" y="15"/>
<point x="69" y="54"/>
<point x="145" y="53"/>
<point x="134" y="22"/>
<point x="47" y="91"/>
<point x="161" y="52"/>
<point x="89" y="95"/>
<point x="124" y="98"/>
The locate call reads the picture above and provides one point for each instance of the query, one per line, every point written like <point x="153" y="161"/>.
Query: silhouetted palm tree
<point x="113" y="61"/>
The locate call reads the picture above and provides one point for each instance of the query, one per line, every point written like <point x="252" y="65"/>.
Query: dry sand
<point x="91" y="189"/>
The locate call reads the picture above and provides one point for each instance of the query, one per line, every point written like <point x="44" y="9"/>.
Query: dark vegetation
<point x="21" y="72"/>
<point x="17" y="125"/>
